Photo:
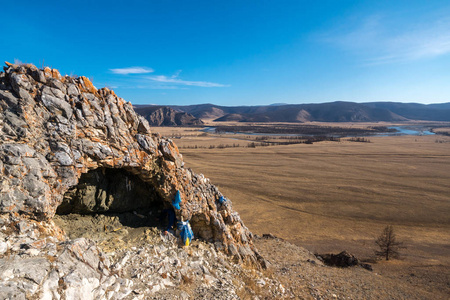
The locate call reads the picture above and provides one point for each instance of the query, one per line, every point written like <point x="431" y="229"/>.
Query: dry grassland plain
<point x="334" y="196"/>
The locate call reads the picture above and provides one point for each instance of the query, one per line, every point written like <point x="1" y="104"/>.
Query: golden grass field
<point x="334" y="196"/>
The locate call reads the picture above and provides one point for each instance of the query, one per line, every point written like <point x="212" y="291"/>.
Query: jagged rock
<point x="70" y="128"/>
<point x="54" y="132"/>
<point x="152" y="268"/>
<point x="166" y="116"/>
<point x="68" y="147"/>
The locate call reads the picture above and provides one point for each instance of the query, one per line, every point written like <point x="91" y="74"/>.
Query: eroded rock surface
<point x="130" y="263"/>
<point x="56" y="129"/>
<point x="110" y="191"/>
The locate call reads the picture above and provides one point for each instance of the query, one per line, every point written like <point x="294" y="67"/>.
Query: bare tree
<point x="388" y="244"/>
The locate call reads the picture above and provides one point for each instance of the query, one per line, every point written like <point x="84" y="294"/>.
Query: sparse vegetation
<point x="274" y="141"/>
<point x="302" y="129"/>
<point x="443" y="133"/>
<point x="359" y="140"/>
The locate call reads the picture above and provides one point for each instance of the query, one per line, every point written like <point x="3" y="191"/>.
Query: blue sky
<point x="240" y="52"/>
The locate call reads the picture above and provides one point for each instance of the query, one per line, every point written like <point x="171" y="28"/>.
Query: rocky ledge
<point x="55" y="131"/>
<point x="111" y="265"/>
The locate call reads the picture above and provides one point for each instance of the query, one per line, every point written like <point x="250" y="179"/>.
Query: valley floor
<point x="338" y="195"/>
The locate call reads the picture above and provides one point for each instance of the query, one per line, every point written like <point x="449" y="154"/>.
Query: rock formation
<point x="343" y="259"/>
<point x="60" y="134"/>
<point x="166" y="116"/>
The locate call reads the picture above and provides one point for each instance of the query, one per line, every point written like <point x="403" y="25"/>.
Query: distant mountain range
<point x="323" y="112"/>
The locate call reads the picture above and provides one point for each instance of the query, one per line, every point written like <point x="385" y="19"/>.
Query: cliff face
<point x="166" y="116"/>
<point x="55" y="128"/>
<point x="67" y="146"/>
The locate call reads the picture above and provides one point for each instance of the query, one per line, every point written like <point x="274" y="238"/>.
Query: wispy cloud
<point x="160" y="81"/>
<point x="177" y="73"/>
<point x="132" y="70"/>
<point x="159" y="87"/>
<point x="175" y="81"/>
<point x="378" y="39"/>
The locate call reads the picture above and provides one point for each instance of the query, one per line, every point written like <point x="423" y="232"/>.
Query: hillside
<point x="416" y="111"/>
<point x="323" y="112"/>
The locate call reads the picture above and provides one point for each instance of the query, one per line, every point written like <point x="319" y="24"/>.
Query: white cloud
<point x="160" y="81"/>
<point x="158" y="87"/>
<point x="381" y="40"/>
<point x="132" y="70"/>
<point x="177" y="73"/>
<point x="174" y="80"/>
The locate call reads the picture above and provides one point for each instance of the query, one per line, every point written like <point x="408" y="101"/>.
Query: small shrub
<point x="388" y="244"/>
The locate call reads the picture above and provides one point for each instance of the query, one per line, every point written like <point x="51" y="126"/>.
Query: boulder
<point x="343" y="260"/>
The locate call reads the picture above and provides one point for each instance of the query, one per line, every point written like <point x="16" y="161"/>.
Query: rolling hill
<point x="324" y="112"/>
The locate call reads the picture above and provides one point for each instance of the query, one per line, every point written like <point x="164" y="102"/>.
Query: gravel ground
<point x="103" y="259"/>
<point x="305" y="277"/>
<point x="160" y="269"/>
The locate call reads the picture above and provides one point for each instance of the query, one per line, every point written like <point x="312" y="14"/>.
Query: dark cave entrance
<point x="108" y="202"/>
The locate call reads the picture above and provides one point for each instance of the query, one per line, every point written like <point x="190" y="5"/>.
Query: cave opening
<point x="113" y="207"/>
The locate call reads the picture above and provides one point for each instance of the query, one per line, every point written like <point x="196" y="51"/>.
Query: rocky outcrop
<point x="343" y="260"/>
<point x="166" y="116"/>
<point x="38" y="265"/>
<point x="56" y="129"/>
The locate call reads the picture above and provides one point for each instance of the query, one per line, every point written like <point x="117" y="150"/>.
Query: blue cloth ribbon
<point x="176" y="202"/>
<point x="222" y="199"/>
<point x="185" y="231"/>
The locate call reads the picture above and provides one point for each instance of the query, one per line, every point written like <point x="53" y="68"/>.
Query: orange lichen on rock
<point x="48" y="72"/>
<point x="88" y="87"/>
<point x="56" y="74"/>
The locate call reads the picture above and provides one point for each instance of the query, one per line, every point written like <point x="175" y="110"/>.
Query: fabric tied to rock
<point x="186" y="233"/>
<point x="222" y="199"/>
<point x="176" y="202"/>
